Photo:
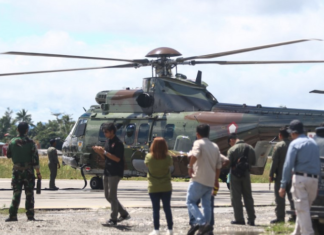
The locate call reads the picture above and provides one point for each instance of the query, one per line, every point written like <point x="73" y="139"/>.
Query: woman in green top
<point x="159" y="177"/>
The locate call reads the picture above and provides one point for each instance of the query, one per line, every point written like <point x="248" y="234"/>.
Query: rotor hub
<point x="163" y="52"/>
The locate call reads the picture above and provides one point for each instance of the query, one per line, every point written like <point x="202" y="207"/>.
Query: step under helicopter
<point x="171" y="106"/>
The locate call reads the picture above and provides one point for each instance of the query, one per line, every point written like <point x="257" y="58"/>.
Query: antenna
<point x="198" y="78"/>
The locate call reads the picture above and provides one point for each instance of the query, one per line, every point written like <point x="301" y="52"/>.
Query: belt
<point x="306" y="175"/>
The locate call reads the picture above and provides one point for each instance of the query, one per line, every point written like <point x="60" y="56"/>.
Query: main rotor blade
<point x="193" y="62"/>
<point x="209" y="56"/>
<point x="67" y="70"/>
<point x="317" y="91"/>
<point x="72" y="56"/>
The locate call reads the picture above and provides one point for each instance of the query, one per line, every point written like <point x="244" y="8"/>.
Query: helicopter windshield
<point x="81" y="127"/>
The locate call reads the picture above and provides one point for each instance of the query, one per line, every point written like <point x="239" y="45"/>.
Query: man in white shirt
<point x="204" y="169"/>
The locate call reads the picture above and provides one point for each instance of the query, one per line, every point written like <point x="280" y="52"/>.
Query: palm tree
<point x="22" y="116"/>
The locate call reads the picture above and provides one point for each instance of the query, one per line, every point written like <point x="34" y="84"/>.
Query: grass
<point x="281" y="228"/>
<point x="67" y="172"/>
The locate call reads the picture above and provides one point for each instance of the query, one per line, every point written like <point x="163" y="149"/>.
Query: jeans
<point x="166" y="199"/>
<point x="212" y="221"/>
<point x="195" y="192"/>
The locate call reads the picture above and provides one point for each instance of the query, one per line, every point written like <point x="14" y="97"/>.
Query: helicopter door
<point x="262" y="150"/>
<point x="143" y="134"/>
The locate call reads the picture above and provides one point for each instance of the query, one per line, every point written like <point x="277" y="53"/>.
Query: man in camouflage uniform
<point x="241" y="186"/>
<point x="24" y="155"/>
<point x="278" y="160"/>
<point x="53" y="163"/>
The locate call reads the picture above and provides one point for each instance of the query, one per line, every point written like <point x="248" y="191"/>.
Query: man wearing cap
<point x="24" y="155"/>
<point x="113" y="153"/>
<point x="241" y="186"/>
<point x="303" y="164"/>
<point x="53" y="163"/>
<point x="278" y="160"/>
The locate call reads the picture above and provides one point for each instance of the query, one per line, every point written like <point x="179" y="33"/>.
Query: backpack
<point x="240" y="168"/>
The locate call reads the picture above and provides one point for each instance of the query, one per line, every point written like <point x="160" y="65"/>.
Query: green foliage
<point x="41" y="132"/>
<point x="281" y="228"/>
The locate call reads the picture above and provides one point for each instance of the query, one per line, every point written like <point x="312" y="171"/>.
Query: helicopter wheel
<point x="96" y="183"/>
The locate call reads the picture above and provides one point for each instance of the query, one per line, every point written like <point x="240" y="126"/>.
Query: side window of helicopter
<point x="168" y="135"/>
<point x="130" y="134"/>
<point x="119" y="132"/>
<point x="143" y="133"/>
<point x="80" y="129"/>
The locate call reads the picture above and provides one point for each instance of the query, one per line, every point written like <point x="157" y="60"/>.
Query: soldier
<point x="24" y="155"/>
<point x="53" y="163"/>
<point x="278" y="160"/>
<point x="241" y="184"/>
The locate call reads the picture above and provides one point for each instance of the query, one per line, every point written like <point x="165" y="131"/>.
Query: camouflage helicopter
<point x="172" y="106"/>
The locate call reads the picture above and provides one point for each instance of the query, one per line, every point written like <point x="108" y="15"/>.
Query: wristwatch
<point x="189" y="167"/>
<point x="105" y="152"/>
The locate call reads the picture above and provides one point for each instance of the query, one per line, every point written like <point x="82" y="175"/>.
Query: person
<point x="159" y="182"/>
<point x="204" y="169"/>
<point x="24" y="155"/>
<point x="241" y="185"/>
<point x="113" y="153"/>
<point x="303" y="159"/>
<point x="194" y="227"/>
<point x="53" y="163"/>
<point x="275" y="174"/>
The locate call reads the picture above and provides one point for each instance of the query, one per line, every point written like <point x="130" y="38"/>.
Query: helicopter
<point x="169" y="105"/>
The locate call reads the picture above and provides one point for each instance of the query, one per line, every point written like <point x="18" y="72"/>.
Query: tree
<point x="22" y="116"/>
<point x="7" y="125"/>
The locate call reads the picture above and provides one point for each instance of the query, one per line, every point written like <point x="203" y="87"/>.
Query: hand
<point x="98" y="149"/>
<point x="270" y="179"/>
<point x="58" y="166"/>
<point x="216" y="184"/>
<point x="282" y="192"/>
<point x="39" y="176"/>
<point x="190" y="172"/>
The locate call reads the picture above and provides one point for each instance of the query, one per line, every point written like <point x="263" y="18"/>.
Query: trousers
<point x="110" y="188"/>
<point x="22" y="178"/>
<point x="242" y="187"/>
<point x="166" y="200"/>
<point x="53" y="170"/>
<point x="280" y="208"/>
<point x="304" y="191"/>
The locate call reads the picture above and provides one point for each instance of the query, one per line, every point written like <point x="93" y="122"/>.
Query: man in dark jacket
<point x="113" y="153"/>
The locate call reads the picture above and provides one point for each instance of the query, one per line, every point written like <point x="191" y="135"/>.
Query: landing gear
<point x="96" y="183"/>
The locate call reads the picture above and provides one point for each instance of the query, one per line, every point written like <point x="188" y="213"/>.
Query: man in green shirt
<point x="53" y="163"/>
<point x="24" y="155"/>
<point x="241" y="186"/>
<point x="278" y="160"/>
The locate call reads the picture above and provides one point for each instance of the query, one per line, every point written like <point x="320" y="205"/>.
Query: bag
<point x="242" y="164"/>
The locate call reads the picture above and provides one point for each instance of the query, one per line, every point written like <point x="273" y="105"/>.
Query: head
<point x="109" y="129"/>
<point x="53" y="142"/>
<point x="283" y="133"/>
<point x="159" y="148"/>
<point x="23" y="128"/>
<point x="232" y="139"/>
<point x="295" y="129"/>
<point x="202" y="131"/>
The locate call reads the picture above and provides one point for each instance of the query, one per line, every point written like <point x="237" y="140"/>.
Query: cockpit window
<point x="168" y="132"/>
<point x="81" y="127"/>
<point x="143" y="133"/>
<point x="130" y="134"/>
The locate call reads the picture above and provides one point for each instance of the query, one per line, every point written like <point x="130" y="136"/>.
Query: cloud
<point x="130" y="29"/>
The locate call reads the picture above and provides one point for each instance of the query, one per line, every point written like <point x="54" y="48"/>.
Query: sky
<point x="130" y="29"/>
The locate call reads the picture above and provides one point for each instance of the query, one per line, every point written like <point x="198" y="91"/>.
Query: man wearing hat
<point x="302" y="164"/>
<point x="278" y="160"/>
<point x="53" y="163"/>
<point x="241" y="185"/>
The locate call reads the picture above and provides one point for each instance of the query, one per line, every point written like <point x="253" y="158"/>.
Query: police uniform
<point x="24" y="155"/>
<point x="52" y="165"/>
<point x="241" y="186"/>
<point x="278" y="160"/>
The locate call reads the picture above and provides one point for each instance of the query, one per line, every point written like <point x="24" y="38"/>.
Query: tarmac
<point x="132" y="194"/>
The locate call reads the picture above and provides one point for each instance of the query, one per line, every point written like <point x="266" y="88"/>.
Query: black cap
<point x="52" y="141"/>
<point x="231" y="136"/>
<point x="296" y="126"/>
